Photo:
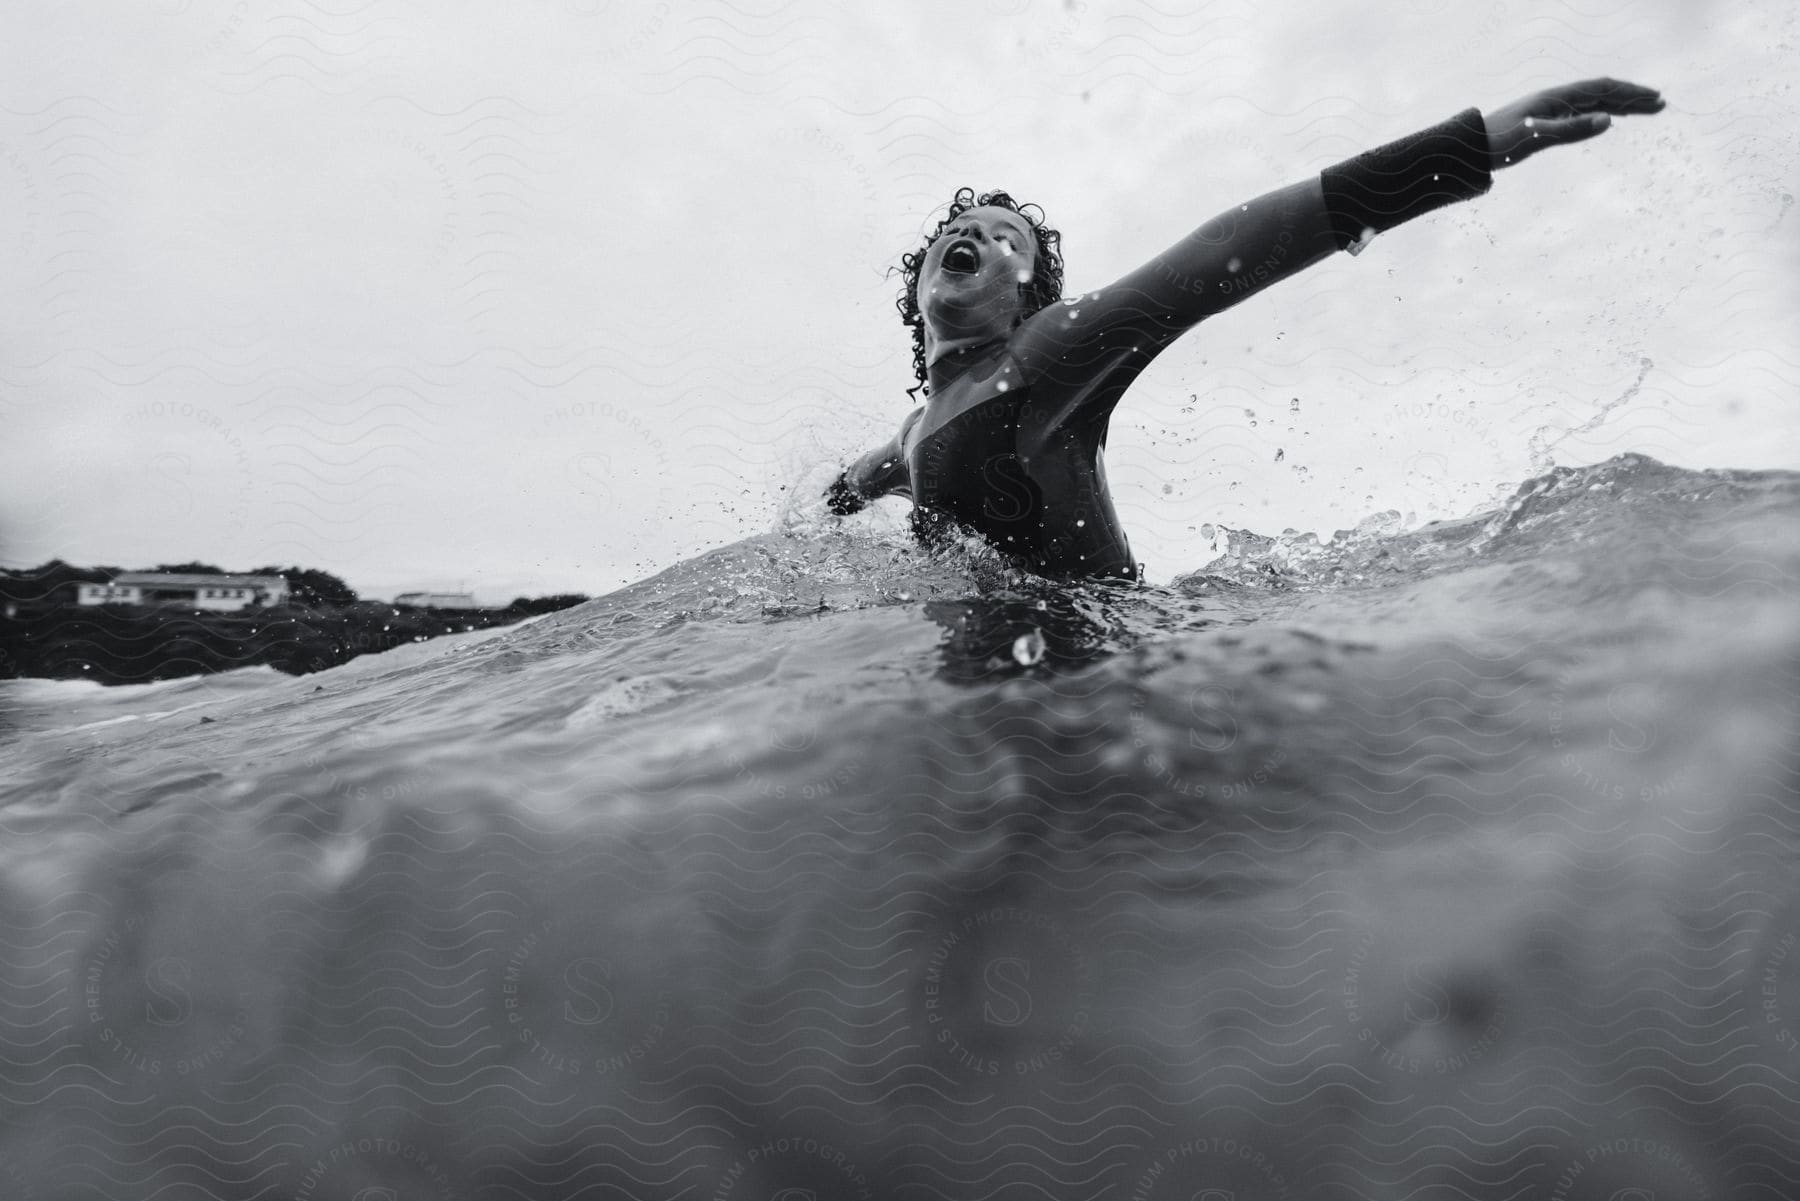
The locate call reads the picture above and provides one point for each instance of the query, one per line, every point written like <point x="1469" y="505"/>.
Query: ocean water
<point x="1455" y="862"/>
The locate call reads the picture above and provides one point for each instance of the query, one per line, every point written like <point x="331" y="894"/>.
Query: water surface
<point x="1453" y="862"/>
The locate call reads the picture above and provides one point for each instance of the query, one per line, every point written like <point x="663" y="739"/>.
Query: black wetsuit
<point x="1030" y="478"/>
<point x="1010" y="445"/>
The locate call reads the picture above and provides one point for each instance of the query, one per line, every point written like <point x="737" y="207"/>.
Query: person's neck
<point x="952" y="358"/>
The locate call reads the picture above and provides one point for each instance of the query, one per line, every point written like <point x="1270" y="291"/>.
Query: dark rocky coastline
<point x="45" y="634"/>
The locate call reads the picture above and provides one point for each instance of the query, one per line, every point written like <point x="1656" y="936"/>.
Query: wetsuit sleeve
<point x="881" y="472"/>
<point x="1250" y="246"/>
<point x="1230" y="258"/>
<point x="1408" y="178"/>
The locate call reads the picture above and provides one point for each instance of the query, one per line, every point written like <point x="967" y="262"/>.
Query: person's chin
<point x="970" y="305"/>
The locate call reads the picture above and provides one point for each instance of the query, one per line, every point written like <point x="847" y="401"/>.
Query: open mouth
<point x="961" y="258"/>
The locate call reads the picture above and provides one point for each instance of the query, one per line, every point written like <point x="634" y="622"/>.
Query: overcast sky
<point x="528" y="297"/>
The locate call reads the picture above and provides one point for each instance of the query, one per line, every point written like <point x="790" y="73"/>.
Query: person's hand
<point x="842" y="499"/>
<point x="1572" y="112"/>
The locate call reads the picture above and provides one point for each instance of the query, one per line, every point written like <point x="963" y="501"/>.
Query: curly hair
<point x="1046" y="276"/>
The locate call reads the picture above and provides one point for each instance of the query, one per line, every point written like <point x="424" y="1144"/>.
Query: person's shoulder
<point x="1069" y="336"/>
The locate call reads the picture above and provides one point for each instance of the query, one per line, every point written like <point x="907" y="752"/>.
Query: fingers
<point x="1560" y="130"/>
<point x="1605" y="96"/>
<point x="1556" y="116"/>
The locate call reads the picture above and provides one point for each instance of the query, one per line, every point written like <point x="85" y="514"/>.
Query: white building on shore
<point x="197" y="590"/>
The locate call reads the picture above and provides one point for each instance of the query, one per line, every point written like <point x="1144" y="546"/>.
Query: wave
<point x="821" y="863"/>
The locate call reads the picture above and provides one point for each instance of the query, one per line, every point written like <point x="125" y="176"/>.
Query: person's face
<point x="974" y="277"/>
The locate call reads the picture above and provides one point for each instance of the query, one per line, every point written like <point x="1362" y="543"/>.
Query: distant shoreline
<point x="46" y="634"/>
<point x="129" y="644"/>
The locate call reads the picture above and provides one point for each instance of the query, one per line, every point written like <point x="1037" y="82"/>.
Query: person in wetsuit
<point x="1020" y="383"/>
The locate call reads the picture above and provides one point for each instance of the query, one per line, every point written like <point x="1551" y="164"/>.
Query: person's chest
<point x="969" y="424"/>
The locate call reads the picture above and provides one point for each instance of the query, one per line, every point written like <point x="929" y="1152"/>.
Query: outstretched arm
<point x="881" y="472"/>
<point x="1245" y="249"/>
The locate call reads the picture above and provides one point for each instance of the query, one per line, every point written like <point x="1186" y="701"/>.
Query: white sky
<point x="542" y="296"/>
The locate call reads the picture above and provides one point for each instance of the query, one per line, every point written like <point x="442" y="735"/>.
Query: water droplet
<point x="1001" y="385"/>
<point x="1232" y="264"/>
<point x="1280" y="454"/>
<point x="1294" y="405"/>
<point x="1080" y="521"/>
